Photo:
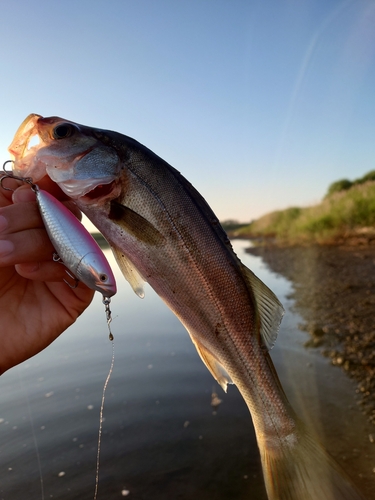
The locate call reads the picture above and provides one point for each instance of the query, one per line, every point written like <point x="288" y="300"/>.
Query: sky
<point x="260" y="104"/>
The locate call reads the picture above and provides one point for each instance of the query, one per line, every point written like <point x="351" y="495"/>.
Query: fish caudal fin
<point x="303" y="470"/>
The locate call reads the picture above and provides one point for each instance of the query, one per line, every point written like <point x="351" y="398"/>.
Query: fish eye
<point x="103" y="278"/>
<point x="63" y="131"/>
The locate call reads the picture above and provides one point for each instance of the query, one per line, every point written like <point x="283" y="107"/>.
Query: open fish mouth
<point x="24" y="147"/>
<point x="26" y="132"/>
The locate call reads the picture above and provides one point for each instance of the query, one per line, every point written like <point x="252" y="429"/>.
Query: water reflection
<point x="160" y="438"/>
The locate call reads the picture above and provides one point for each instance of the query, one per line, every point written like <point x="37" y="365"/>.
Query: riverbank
<point x="344" y="215"/>
<point x="334" y="291"/>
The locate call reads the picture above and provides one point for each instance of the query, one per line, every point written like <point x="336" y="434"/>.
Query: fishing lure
<point x="74" y="245"/>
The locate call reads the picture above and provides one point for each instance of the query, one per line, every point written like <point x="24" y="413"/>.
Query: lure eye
<point x="63" y="131"/>
<point x="103" y="278"/>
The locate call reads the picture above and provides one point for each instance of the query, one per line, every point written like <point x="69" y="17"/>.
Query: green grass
<point x="341" y="212"/>
<point x="344" y="184"/>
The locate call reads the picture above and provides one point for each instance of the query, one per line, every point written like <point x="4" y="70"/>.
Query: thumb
<point x="23" y="194"/>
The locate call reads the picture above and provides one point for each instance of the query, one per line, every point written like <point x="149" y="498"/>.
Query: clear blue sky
<point x="259" y="103"/>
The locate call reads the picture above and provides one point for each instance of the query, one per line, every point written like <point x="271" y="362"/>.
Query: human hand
<point x="36" y="306"/>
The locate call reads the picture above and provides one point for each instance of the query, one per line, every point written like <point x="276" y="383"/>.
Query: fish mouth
<point x="101" y="190"/>
<point x="25" y="134"/>
<point x="24" y="146"/>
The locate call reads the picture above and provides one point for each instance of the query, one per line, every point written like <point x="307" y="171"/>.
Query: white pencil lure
<point x="75" y="247"/>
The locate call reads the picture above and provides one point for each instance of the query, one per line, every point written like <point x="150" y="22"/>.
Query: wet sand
<point x="334" y="294"/>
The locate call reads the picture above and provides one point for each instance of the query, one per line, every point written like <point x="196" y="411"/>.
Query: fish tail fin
<point x="302" y="469"/>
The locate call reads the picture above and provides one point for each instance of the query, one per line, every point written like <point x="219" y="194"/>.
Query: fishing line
<point x="106" y="301"/>
<point x="31" y="420"/>
<point x="102" y="407"/>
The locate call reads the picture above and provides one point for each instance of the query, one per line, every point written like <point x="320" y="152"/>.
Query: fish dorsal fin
<point x="129" y="271"/>
<point x="269" y="308"/>
<point x="214" y="366"/>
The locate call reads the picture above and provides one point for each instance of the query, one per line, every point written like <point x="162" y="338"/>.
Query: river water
<point x="161" y="438"/>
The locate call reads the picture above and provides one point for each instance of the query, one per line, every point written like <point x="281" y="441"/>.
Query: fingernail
<point x="23" y="194"/>
<point x="6" y="247"/>
<point x="28" y="267"/>
<point x="3" y="223"/>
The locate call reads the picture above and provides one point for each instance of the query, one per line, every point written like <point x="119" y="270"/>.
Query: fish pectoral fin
<point x="269" y="308"/>
<point x="129" y="271"/>
<point x="135" y="224"/>
<point x="214" y="366"/>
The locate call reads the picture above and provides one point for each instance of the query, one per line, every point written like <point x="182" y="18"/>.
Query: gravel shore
<point x="334" y="291"/>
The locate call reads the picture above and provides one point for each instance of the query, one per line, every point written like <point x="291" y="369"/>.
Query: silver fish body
<point x="162" y="231"/>
<point x="75" y="246"/>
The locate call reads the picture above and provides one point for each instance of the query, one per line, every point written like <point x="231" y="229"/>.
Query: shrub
<point x="341" y="185"/>
<point x="370" y="176"/>
<point x="347" y="207"/>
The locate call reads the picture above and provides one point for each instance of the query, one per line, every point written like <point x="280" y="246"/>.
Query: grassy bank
<point x="343" y="215"/>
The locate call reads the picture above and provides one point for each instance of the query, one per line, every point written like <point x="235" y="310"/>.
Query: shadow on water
<point x="161" y="438"/>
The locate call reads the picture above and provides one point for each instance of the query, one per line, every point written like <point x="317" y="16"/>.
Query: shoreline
<point x="334" y="292"/>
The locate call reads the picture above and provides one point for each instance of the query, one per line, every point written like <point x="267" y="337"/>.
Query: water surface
<point x="161" y="439"/>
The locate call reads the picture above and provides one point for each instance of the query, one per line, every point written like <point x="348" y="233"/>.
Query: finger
<point x="20" y="217"/>
<point x="32" y="245"/>
<point x="44" y="271"/>
<point x="23" y="194"/>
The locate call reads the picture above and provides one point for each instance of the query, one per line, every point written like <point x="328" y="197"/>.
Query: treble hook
<point x="76" y="280"/>
<point x="10" y="175"/>
<point x="57" y="258"/>
<point x="5" y="170"/>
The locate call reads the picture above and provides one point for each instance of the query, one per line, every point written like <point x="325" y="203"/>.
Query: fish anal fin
<point x="130" y="272"/>
<point x="135" y="224"/>
<point x="269" y="308"/>
<point x="214" y="366"/>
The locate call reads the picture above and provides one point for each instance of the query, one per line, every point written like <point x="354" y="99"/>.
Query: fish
<point x="163" y="232"/>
